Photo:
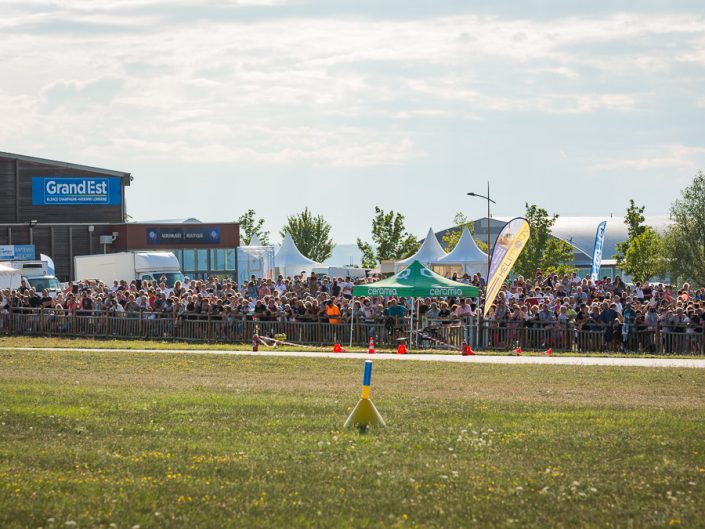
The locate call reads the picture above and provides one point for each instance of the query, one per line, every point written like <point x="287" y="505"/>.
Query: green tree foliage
<point x="542" y="250"/>
<point x="390" y="237"/>
<point x="643" y="257"/>
<point x="684" y="241"/>
<point x="250" y="226"/>
<point x="634" y="219"/>
<point x="452" y="237"/>
<point x="311" y="235"/>
<point x="640" y="256"/>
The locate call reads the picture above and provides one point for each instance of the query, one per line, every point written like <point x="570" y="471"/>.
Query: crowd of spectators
<point x="544" y="301"/>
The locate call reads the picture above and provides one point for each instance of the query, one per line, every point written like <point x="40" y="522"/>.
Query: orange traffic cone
<point x="371" y="348"/>
<point x="518" y="351"/>
<point x="549" y="352"/>
<point x="467" y="350"/>
<point x="401" y="350"/>
<point x="337" y="348"/>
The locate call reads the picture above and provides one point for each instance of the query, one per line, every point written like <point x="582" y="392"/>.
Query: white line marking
<point x="477" y="359"/>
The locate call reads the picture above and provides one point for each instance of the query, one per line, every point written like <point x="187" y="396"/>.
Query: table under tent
<point x="416" y="282"/>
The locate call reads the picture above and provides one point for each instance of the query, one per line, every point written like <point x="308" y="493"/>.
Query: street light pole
<point x="489" y="257"/>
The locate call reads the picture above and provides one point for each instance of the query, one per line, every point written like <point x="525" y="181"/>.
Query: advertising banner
<point x="184" y="235"/>
<point x="597" y="251"/>
<point x="17" y="252"/>
<point x="509" y="244"/>
<point x="75" y="191"/>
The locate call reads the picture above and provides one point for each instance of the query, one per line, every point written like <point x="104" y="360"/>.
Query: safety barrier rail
<point x="429" y="333"/>
<point x="567" y="336"/>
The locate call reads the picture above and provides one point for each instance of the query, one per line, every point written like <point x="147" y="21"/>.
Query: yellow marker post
<point x="365" y="413"/>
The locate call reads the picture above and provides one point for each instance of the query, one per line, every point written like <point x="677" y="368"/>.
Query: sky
<point x="219" y="106"/>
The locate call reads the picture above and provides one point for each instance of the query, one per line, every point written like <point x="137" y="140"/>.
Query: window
<point x="218" y="259"/>
<point x="189" y="260"/>
<point x="202" y="260"/>
<point x="230" y="254"/>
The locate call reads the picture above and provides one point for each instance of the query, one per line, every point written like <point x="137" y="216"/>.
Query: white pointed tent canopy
<point x="254" y="241"/>
<point x="430" y="252"/>
<point x="290" y="261"/>
<point x="466" y="257"/>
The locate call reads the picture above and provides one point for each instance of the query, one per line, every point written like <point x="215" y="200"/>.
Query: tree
<point x="684" y="241"/>
<point x="389" y="235"/>
<point x="642" y="259"/>
<point x="452" y="237"/>
<point x="542" y="250"/>
<point x="640" y="256"/>
<point x="634" y="219"/>
<point x="251" y="227"/>
<point x="310" y="234"/>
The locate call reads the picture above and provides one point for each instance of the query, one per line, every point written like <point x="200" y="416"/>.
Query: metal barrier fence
<point x="195" y="328"/>
<point x="540" y="336"/>
<point x="436" y="334"/>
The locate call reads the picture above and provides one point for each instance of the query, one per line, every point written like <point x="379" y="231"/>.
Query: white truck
<point x="128" y="266"/>
<point x="37" y="275"/>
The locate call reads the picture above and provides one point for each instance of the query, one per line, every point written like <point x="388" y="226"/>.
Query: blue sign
<point x="184" y="235"/>
<point x="17" y="252"/>
<point x="88" y="191"/>
<point x="597" y="251"/>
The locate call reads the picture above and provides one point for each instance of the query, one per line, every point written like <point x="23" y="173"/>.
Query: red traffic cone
<point x="401" y="350"/>
<point x="337" y="348"/>
<point x="467" y="351"/>
<point x="549" y="352"/>
<point x="518" y="351"/>
<point x="371" y="348"/>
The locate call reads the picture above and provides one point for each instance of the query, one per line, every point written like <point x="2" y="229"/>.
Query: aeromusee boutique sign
<point x="86" y="191"/>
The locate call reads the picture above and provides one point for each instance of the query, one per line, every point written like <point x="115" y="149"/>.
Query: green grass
<point x="174" y="440"/>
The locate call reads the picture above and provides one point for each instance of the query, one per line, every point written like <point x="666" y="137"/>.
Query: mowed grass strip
<point x="157" y="344"/>
<point x="90" y="439"/>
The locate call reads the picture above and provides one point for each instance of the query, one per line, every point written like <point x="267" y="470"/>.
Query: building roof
<point x="67" y="165"/>
<point x="579" y="232"/>
<point x="190" y="220"/>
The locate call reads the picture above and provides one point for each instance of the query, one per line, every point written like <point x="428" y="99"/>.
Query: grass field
<point x="111" y="439"/>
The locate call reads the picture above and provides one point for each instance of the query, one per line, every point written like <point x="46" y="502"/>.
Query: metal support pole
<point x="487" y="278"/>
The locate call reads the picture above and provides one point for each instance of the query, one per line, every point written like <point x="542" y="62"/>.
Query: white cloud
<point x="324" y="91"/>
<point x="659" y="157"/>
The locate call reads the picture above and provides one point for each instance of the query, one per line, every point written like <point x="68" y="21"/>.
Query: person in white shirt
<point x="347" y="287"/>
<point x="165" y="289"/>
<point x="280" y="286"/>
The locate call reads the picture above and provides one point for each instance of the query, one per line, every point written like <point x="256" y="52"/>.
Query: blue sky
<point x="219" y="106"/>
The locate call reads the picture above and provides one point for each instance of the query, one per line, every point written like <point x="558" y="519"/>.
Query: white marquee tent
<point x="9" y="277"/>
<point x="430" y="252"/>
<point x="465" y="257"/>
<point x="290" y="261"/>
<point x="255" y="259"/>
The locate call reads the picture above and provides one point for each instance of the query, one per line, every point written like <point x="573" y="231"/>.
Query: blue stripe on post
<point x="367" y="379"/>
